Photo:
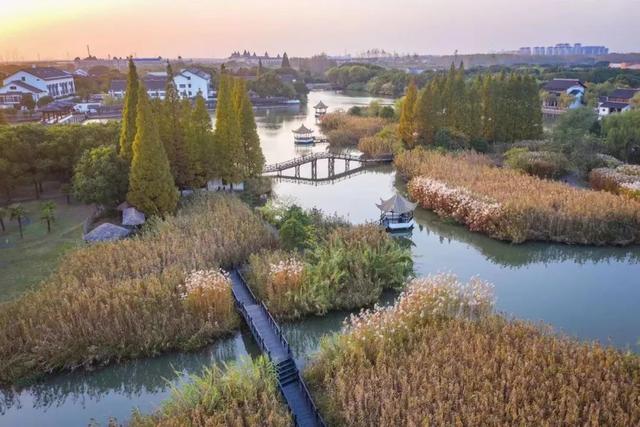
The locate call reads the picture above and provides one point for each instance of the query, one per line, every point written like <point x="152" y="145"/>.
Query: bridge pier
<point x="346" y="164"/>
<point x="297" y="171"/>
<point x="332" y="167"/>
<point x="314" y="169"/>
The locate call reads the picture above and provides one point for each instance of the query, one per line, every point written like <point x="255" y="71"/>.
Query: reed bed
<point x="623" y="180"/>
<point x="243" y="394"/>
<point x="345" y="130"/>
<point x="441" y="356"/>
<point x="136" y="297"/>
<point x="508" y="205"/>
<point x="347" y="269"/>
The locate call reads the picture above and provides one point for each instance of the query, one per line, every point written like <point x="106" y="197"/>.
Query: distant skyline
<point x="61" y="29"/>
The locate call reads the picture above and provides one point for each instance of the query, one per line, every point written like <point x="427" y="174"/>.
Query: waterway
<point x="585" y="292"/>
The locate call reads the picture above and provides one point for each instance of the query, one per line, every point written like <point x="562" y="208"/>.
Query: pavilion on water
<point x="303" y="135"/>
<point x="396" y="213"/>
<point x="321" y="109"/>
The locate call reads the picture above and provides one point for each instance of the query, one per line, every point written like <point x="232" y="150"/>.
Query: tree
<point x="28" y="102"/>
<point x="227" y="136"/>
<point x="406" y="128"/>
<point x="635" y="102"/>
<point x="203" y="164"/>
<point x="101" y="177"/>
<point x="45" y="100"/>
<point x="4" y="212"/>
<point x="285" y="61"/>
<point x="172" y="130"/>
<point x="129" y="119"/>
<point x="260" y="69"/>
<point x="17" y="212"/>
<point x="151" y="186"/>
<point x="622" y="135"/>
<point x="252" y="152"/>
<point x="3" y="119"/>
<point x="48" y="214"/>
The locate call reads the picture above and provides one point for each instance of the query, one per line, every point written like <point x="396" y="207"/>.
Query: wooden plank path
<point x="270" y="339"/>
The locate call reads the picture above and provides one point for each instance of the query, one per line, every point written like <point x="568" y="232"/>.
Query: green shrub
<point x="243" y="394"/>
<point x="543" y="164"/>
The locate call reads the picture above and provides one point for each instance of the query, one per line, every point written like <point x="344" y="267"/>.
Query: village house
<point x="562" y="94"/>
<point x="38" y="82"/>
<point x="189" y="82"/>
<point x="617" y="102"/>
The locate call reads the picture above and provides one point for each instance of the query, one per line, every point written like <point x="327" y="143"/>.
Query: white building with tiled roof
<point x="37" y="81"/>
<point x="189" y="82"/>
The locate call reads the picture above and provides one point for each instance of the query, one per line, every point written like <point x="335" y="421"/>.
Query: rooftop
<point x="320" y="105"/>
<point x="25" y="86"/>
<point x="396" y="204"/>
<point x="153" y="83"/>
<point x="47" y="73"/>
<point x="560" y="85"/>
<point x="624" y="93"/>
<point x="303" y="129"/>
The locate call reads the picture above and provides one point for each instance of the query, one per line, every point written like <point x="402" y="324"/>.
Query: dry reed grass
<point x="508" y="205"/>
<point x="124" y="299"/>
<point x="441" y="357"/>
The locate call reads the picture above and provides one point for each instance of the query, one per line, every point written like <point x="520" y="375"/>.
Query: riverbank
<point x="128" y="299"/>
<point x="505" y="372"/>
<point x="508" y="205"/>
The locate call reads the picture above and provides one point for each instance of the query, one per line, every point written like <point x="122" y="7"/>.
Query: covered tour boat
<point x="303" y="135"/>
<point x="397" y="213"/>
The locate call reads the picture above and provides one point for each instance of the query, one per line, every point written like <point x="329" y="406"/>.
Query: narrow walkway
<point x="269" y="337"/>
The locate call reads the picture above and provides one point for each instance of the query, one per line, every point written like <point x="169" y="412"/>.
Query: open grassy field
<point x="26" y="262"/>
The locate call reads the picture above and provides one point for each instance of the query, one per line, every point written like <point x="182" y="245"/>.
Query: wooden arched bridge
<point x="312" y="159"/>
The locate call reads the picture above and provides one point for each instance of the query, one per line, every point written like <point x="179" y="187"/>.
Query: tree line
<point x="159" y="145"/>
<point x="504" y="107"/>
<point x="170" y="143"/>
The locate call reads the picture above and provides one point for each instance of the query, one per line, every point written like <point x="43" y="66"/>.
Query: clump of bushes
<point x="133" y="298"/>
<point x="449" y="360"/>
<point x="543" y="164"/>
<point x="346" y="269"/>
<point x="346" y="130"/>
<point x="384" y="144"/>
<point x="241" y="394"/>
<point x="508" y="205"/>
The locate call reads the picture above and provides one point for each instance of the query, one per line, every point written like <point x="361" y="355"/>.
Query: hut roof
<point x="132" y="216"/>
<point x="303" y="129"/>
<point x="320" y="105"/>
<point x="106" y="232"/>
<point x="122" y="206"/>
<point x="396" y="204"/>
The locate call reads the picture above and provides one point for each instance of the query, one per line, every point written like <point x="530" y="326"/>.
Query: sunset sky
<point x="61" y="29"/>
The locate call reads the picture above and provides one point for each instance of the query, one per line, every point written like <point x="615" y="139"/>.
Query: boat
<point x="396" y="213"/>
<point x="303" y="135"/>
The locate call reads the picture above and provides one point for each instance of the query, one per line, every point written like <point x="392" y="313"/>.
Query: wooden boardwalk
<point x="270" y="339"/>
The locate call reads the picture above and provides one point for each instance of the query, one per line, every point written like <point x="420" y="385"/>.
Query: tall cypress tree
<point x="406" y="127"/>
<point x="227" y="139"/>
<point x="285" y="61"/>
<point x="252" y="152"/>
<point x="151" y="186"/>
<point x="426" y="114"/>
<point x="128" y="129"/>
<point x="201" y="148"/>
<point x="172" y="132"/>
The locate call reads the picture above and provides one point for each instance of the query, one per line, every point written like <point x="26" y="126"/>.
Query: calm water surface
<point x="586" y="292"/>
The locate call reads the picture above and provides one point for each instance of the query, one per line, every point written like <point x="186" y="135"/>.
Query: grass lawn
<point x="25" y="262"/>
